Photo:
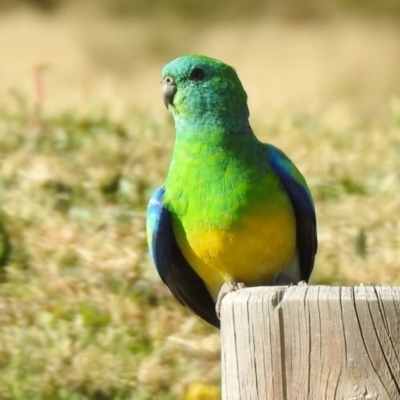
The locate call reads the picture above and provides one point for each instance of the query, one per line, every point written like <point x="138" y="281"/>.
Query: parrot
<point x="232" y="210"/>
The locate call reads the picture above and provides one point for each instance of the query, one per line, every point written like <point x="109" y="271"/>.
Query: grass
<point x="83" y="314"/>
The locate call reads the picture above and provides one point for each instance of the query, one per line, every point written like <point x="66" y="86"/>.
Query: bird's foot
<point x="227" y="287"/>
<point x="302" y="283"/>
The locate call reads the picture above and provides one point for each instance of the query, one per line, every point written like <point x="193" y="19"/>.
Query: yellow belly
<point x="252" y="251"/>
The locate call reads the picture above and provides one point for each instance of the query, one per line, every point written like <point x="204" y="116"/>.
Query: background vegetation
<point x="85" y="139"/>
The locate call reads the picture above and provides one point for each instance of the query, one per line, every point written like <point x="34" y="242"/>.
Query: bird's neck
<point x="200" y="139"/>
<point x="209" y="149"/>
<point x="211" y="123"/>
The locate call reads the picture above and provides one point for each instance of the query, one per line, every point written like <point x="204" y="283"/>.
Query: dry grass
<point x="83" y="314"/>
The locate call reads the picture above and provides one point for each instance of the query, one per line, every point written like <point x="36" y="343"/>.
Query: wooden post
<point x="311" y="342"/>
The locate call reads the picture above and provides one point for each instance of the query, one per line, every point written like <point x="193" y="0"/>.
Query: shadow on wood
<point x="311" y="342"/>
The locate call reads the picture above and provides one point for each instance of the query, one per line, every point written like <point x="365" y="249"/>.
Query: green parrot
<point x="232" y="210"/>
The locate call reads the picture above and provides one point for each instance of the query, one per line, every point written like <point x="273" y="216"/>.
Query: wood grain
<point x="311" y="342"/>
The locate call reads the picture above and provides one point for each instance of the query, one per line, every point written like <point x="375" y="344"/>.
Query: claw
<point x="227" y="287"/>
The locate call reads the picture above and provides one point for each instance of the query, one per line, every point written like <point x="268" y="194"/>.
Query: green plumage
<point x="220" y="181"/>
<point x="232" y="209"/>
<point x="217" y="107"/>
<point x="223" y="165"/>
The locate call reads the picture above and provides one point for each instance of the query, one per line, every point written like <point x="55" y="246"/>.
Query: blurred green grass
<point x="287" y="9"/>
<point x="83" y="314"/>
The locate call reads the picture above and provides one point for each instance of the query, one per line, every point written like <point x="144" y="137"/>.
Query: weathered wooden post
<point x="311" y="342"/>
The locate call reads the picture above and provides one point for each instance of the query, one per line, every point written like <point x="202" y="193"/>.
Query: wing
<point x="303" y="206"/>
<point x="171" y="265"/>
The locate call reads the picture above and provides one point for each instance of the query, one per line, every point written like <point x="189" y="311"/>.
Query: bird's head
<point x="202" y="90"/>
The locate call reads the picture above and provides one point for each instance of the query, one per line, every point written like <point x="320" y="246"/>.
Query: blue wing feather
<point x="171" y="265"/>
<point x="303" y="206"/>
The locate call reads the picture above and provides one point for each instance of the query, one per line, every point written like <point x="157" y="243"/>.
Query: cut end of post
<point x="302" y="342"/>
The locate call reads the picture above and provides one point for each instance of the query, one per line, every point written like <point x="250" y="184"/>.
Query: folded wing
<point x="172" y="267"/>
<point x="303" y="206"/>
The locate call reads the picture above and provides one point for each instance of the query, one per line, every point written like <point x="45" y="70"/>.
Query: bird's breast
<point x="252" y="243"/>
<point x="231" y="216"/>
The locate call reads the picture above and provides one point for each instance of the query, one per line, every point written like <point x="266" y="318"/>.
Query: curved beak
<point x="168" y="89"/>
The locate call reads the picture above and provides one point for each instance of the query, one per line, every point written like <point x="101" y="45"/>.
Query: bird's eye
<point x="197" y="74"/>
